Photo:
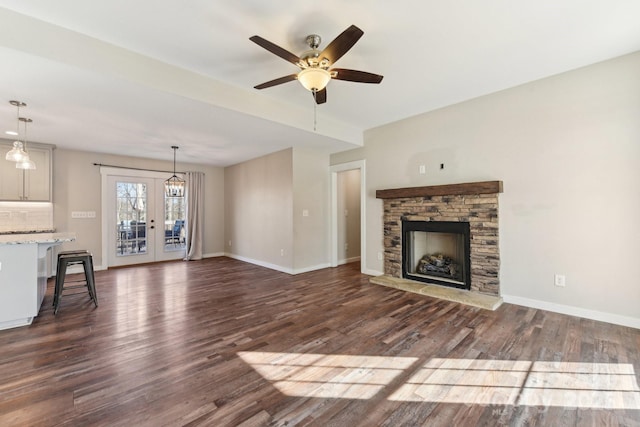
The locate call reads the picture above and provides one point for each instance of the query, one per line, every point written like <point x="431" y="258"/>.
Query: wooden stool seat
<point x="66" y="259"/>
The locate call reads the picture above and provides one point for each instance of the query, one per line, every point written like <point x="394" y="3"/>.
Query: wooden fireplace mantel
<point x="469" y="188"/>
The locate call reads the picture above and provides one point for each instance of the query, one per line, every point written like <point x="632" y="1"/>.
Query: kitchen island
<point x="23" y="275"/>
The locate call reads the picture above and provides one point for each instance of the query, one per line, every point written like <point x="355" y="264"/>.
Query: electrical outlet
<point x="281" y="252"/>
<point x="422" y="169"/>
<point x="346" y="246"/>
<point x="305" y="212"/>
<point x="559" y="280"/>
<point x="379" y="256"/>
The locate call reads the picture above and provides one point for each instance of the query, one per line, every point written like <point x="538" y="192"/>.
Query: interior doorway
<point x="341" y="241"/>
<point x="348" y="192"/>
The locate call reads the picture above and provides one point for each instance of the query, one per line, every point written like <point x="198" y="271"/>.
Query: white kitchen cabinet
<point x="26" y="185"/>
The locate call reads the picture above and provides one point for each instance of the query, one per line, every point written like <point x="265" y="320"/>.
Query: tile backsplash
<point x="26" y="216"/>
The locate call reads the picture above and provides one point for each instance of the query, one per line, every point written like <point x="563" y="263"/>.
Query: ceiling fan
<point x="315" y="72"/>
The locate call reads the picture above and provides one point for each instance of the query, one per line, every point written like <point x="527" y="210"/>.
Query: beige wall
<point x="568" y="149"/>
<point x="258" y="210"/>
<point x="310" y="194"/>
<point x="77" y="184"/>
<point x="277" y="210"/>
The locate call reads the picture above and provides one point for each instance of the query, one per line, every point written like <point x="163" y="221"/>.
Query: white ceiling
<point x="135" y="77"/>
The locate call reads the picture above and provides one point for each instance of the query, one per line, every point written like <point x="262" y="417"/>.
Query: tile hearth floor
<point x="475" y="299"/>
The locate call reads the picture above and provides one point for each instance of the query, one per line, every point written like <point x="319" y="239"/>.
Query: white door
<point x="143" y="224"/>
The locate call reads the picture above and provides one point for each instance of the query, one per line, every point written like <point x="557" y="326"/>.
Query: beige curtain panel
<point x="195" y="215"/>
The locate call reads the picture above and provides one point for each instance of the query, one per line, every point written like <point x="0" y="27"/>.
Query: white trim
<point x="311" y="268"/>
<point x="214" y="255"/>
<point x="333" y="238"/>
<point x="8" y="324"/>
<point x="261" y="263"/>
<point x="600" y="316"/>
<point x="372" y="272"/>
<point x="278" y="267"/>
<point x="348" y="260"/>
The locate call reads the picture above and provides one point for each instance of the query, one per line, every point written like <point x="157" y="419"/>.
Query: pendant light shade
<point x="25" y="162"/>
<point x="174" y="186"/>
<point x="17" y="153"/>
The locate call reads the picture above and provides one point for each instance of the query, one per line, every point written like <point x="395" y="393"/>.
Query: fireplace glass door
<point x="436" y="252"/>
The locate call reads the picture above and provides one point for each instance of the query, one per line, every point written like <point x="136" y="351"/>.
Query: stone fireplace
<point x="471" y="205"/>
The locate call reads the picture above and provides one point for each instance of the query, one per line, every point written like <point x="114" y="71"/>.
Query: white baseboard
<point x="600" y="316"/>
<point x="312" y="268"/>
<point x="348" y="260"/>
<point x="213" y="255"/>
<point x="279" y="267"/>
<point x="372" y="272"/>
<point x="261" y="263"/>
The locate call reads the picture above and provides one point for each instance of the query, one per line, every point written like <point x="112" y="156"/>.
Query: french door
<point x="143" y="225"/>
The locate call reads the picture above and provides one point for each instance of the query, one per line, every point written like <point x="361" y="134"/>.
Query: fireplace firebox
<point x="437" y="252"/>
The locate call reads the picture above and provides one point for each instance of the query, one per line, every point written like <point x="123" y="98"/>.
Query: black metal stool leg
<point x="91" y="283"/>
<point x="60" y="276"/>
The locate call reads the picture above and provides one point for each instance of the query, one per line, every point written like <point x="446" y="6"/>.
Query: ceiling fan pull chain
<point x="315" y="106"/>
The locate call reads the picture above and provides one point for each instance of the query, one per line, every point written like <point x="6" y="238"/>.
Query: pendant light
<point x="174" y="186"/>
<point x="17" y="153"/>
<point x="26" y="162"/>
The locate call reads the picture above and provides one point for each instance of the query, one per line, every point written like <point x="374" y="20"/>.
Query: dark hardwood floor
<point x="220" y="342"/>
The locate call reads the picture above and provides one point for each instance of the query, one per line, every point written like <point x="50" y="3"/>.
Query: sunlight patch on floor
<point x="327" y="375"/>
<point x="464" y="381"/>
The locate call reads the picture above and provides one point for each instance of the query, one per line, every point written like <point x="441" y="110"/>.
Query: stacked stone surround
<point x="480" y="210"/>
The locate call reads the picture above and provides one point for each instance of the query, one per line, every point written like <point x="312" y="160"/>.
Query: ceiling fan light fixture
<point x="314" y="79"/>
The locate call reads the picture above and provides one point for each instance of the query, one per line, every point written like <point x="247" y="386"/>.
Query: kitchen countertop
<point x="19" y="239"/>
<point x="51" y="230"/>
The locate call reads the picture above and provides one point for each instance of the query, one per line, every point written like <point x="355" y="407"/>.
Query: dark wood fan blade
<point x="341" y="44"/>
<point x="320" y="96"/>
<point x="355" y="76"/>
<point x="277" y="81"/>
<point x="275" y="49"/>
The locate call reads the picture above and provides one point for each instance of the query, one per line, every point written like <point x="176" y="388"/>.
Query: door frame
<point x="106" y="172"/>
<point x="334" y="170"/>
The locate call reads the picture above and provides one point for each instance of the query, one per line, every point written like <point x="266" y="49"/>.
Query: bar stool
<point x="66" y="259"/>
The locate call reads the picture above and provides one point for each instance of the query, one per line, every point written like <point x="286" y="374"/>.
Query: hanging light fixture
<point x="26" y="162"/>
<point x="17" y="153"/>
<point x="174" y="186"/>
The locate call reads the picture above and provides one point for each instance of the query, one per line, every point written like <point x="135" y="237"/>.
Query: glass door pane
<point x="131" y="217"/>
<point x="174" y="231"/>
